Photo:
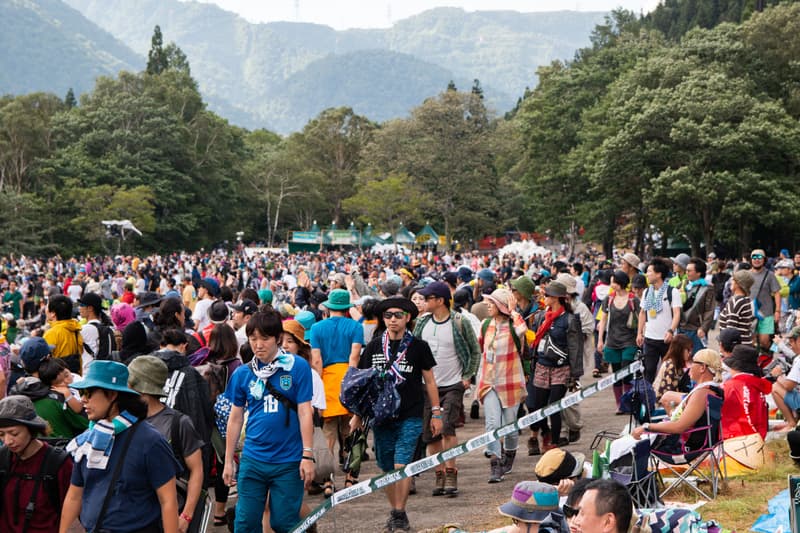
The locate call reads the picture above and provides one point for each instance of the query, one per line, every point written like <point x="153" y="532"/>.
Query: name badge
<point x="652" y="313"/>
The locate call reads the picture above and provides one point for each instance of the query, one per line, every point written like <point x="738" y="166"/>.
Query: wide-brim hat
<point x="744" y="279"/>
<point x="556" y="289"/>
<point x="147" y="374"/>
<point x="744" y="358"/>
<point x="148" y="299"/>
<point x="18" y="410"/>
<point x="524" y="285"/>
<point x="558" y="464"/>
<point x="502" y="299"/>
<point x="399" y="302"/>
<point x="531" y="502"/>
<point x="296" y="329"/>
<point x="632" y="259"/>
<point x="569" y="282"/>
<point x="109" y="375"/>
<point x="338" y="300"/>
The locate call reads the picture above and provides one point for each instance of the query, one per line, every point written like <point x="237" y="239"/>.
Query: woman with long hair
<point x="616" y="334"/>
<point x="672" y="375"/>
<point x="119" y="447"/>
<point x="552" y="372"/>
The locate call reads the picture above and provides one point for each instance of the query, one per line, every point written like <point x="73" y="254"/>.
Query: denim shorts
<point x="396" y="442"/>
<point x="792" y="399"/>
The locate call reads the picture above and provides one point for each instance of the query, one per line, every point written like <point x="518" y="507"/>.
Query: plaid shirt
<point x="501" y="366"/>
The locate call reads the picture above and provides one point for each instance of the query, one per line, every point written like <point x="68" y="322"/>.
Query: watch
<point x="646" y="426"/>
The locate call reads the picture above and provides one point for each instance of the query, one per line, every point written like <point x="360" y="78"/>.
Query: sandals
<point x="350" y="482"/>
<point x="596" y="373"/>
<point x="328" y="489"/>
<point x="220" y="520"/>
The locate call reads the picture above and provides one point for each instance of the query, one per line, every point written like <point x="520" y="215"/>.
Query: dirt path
<point x="476" y="504"/>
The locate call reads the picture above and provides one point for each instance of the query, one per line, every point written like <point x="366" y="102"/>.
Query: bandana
<point x="394" y="368"/>
<point x="549" y="318"/>
<point x="97" y="442"/>
<point x="653" y="300"/>
<point x="702" y="282"/>
<point x="283" y="361"/>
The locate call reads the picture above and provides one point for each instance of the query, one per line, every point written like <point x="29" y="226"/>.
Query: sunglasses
<point x="569" y="512"/>
<point x="756" y="256"/>
<point x="394" y="314"/>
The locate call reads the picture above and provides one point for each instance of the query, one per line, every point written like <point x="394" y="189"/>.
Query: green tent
<point x="427" y="236"/>
<point x="403" y="236"/>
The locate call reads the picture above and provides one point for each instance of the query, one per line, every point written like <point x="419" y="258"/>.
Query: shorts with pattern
<point x="396" y="442"/>
<point x="451" y="400"/>
<point x="546" y="376"/>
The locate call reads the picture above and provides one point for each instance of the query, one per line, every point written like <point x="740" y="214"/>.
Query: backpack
<point x="216" y="375"/>
<point x="46" y="478"/>
<point x="106" y="342"/>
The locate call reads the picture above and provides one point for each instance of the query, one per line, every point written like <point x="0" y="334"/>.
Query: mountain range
<point x="279" y="75"/>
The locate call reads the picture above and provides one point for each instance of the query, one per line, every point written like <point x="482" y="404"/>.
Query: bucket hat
<point x="556" y="289"/>
<point x="148" y="299"/>
<point x="558" y="464"/>
<point x="109" y="375"/>
<point x="400" y="303"/>
<point x="306" y="319"/>
<point x="744" y="279"/>
<point x="569" y="282"/>
<point x="682" y="260"/>
<point x="531" y="502"/>
<point x="524" y="286"/>
<point x="18" y="410"/>
<point x="296" y="329"/>
<point x="147" y="374"/>
<point x="502" y="299"/>
<point x="744" y="358"/>
<point x="265" y="295"/>
<point x="338" y="300"/>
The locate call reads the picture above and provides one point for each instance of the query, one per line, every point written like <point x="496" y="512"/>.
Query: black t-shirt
<point x="418" y="358"/>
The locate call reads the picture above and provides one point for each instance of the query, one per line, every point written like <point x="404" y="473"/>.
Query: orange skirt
<point x="332" y="377"/>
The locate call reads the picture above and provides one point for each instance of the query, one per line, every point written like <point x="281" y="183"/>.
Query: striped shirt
<point x="738" y="314"/>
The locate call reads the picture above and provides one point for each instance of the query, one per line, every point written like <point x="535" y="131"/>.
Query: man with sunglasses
<point x="765" y="292"/>
<point x="396" y="350"/>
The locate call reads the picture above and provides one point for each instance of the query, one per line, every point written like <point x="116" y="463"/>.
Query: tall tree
<point x="157" y="60"/>
<point x="69" y="99"/>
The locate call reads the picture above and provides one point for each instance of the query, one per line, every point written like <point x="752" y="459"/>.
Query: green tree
<point x="388" y="202"/>
<point x="21" y="217"/>
<point x="157" y="60"/>
<point x="69" y="99"/>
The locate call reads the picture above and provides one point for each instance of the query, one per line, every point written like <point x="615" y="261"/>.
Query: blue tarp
<point x="777" y="515"/>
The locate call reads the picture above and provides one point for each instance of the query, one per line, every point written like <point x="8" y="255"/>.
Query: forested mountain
<point x="251" y="66"/>
<point x="49" y="46"/>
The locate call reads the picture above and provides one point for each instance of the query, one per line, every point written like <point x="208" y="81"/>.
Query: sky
<point x="344" y="14"/>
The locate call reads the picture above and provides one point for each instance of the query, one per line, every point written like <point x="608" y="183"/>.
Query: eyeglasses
<point x="756" y="256"/>
<point x="394" y="314"/>
<point x="569" y="512"/>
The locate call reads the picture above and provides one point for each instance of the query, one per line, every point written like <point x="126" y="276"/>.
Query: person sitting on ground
<point x="744" y="411"/>
<point x="705" y="371"/>
<point x="571" y="506"/>
<point x="533" y="506"/>
<point x="560" y="468"/>
<point x="606" y="507"/>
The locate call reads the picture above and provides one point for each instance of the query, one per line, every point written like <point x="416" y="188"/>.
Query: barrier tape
<point x="369" y="486"/>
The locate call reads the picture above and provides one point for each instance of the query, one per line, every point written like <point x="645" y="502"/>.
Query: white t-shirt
<point x="656" y="327"/>
<point x="200" y="314"/>
<point x="92" y="340"/>
<point x="74" y="291"/>
<point x="794" y="372"/>
<point x="318" y="391"/>
<point x="439" y="337"/>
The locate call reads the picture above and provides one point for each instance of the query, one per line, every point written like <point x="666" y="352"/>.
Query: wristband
<point x="307" y="458"/>
<point x="185" y="517"/>
<point x="308" y="450"/>
<point x="436" y="408"/>
<point x="438" y="417"/>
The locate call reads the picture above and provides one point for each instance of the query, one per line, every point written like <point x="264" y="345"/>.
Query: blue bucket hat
<point x="34" y="350"/>
<point x="109" y="375"/>
<point x="306" y="319"/>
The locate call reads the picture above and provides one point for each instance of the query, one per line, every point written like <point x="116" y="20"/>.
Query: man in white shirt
<point x="207" y="292"/>
<point x="659" y="317"/>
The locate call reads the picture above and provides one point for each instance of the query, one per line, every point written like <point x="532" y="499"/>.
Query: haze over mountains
<point x="279" y="75"/>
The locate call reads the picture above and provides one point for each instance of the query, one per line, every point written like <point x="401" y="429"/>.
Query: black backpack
<point x="47" y="477"/>
<point x="106" y="342"/>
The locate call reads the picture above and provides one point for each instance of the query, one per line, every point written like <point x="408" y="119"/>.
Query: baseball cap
<point x="246" y="306"/>
<point x="440" y="289"/>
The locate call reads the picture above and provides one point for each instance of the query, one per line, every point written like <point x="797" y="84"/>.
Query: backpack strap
<point x="115" y="476"/>
<point x="50" y="467"/>
<point x="288" y="404"/>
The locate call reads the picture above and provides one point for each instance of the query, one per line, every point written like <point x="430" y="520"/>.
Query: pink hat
<point x="122" y="314"/>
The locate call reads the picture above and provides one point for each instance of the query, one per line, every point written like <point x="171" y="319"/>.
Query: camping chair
<point x="634" y="471"/>
<point x="687" y="466"/>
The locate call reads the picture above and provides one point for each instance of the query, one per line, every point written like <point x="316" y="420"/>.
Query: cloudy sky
<point x="343" y="14"/>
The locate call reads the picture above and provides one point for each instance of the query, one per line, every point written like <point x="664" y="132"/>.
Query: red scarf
<point x="544" y="327"/>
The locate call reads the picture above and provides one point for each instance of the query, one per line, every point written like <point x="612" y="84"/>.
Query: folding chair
<point x="687" y="466"/>
<point x="634" y="471"/>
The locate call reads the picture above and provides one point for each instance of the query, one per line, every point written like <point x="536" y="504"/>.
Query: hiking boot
<point x="451" y="482"/>
<point x="495" y="470"/>
<point x="533" y="446"/>
<point x="574" y="435"/>
<point x="562" y="441"/>
<point x="508" y="461"/>
<point x="398" y="521"/>
<point x="438" y="489"/>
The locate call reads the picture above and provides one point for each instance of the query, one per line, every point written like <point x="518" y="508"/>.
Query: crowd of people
<point x="237" y="361"/>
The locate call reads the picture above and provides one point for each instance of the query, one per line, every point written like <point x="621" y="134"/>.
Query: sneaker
<point x="398" y="521"/>
<point x="574" y="436"/>
<point x="508" y="461"/>
<point x="438" y="489"/>
<point x="562" y="441"/>
<point x="451" y="482"/>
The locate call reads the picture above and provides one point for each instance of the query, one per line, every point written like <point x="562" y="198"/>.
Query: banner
<point x="371" y="485"/>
